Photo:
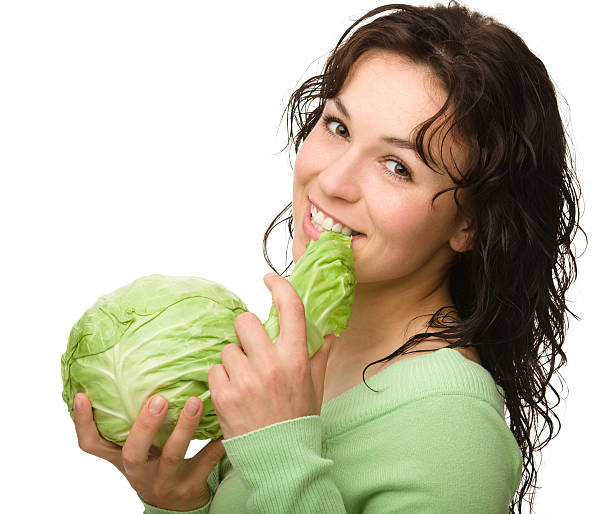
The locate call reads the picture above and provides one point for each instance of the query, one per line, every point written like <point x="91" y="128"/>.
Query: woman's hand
<point x="260" y="382"/>
<point x="163" y="479"/>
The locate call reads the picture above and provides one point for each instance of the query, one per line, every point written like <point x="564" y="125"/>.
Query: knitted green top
<point x="432" y="440"/>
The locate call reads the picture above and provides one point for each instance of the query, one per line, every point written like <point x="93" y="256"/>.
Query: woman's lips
<point x="311" y="231"/>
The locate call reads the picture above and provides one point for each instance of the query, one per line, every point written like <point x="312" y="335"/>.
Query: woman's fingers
<point x="174" y="450"/>
<point x="90" y="440"/>
<point x="291" y="315"/>
<point x="135" y="452"/>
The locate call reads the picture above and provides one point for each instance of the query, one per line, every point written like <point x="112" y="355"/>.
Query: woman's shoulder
<point x="440" y="371"/>
<point x="421" y="378"/>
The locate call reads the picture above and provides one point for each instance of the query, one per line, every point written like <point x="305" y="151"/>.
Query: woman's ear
<point x="463" y="238"/>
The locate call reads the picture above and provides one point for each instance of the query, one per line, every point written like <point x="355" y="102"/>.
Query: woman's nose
<point x="341" y="178"/>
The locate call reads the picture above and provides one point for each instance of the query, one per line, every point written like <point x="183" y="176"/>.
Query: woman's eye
<point x="399" y="168"/>
<point x="328" y="120"/>
<point x="343" y="130"/>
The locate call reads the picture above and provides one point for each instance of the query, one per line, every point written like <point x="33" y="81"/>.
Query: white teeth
<point x="322" y="222"/>
<point x="318" y="227"/>
<point x="337" y="227"/>
<point x="318" y="217"/>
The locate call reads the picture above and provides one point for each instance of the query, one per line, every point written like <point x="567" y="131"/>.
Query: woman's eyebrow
<point x="405" y="144"/>
<point x="341" y="107"/>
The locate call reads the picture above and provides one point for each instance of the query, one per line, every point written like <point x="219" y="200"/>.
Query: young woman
<point x="435" y="134"/>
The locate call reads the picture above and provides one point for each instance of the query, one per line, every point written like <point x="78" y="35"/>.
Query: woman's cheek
<point x="307" y="162"/>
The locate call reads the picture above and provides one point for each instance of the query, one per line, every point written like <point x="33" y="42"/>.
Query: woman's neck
<point x="384" y="318"/>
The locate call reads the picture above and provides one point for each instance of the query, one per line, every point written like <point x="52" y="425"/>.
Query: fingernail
<point x="156" y="405"/>
<point x="78" y="404"/>
<point x="192" y="407"/>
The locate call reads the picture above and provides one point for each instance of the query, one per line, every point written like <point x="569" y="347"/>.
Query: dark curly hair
<point x="509" y="289"/>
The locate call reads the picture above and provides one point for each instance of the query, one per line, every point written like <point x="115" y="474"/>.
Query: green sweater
<point x="432" y="440"/>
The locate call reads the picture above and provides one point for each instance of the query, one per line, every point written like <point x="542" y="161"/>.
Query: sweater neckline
<point x="444" y="370"/>
<point x="376" y="377"/>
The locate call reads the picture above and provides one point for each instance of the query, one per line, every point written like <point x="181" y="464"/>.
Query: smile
<point x="318" y="221"/>
<point x="321" y="221"/>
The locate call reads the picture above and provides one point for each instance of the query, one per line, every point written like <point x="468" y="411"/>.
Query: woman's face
<point x="349" y="171"/>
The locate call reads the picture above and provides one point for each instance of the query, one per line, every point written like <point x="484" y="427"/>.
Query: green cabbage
<point x="162" y="334"/>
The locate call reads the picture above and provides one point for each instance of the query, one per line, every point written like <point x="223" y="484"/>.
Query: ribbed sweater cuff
<point x="282" y="467"/>
<point x="298" y="433"/>
<point x="150" y="509"/>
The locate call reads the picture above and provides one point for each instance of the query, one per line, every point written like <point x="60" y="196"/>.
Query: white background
<point x="145" y="137"/>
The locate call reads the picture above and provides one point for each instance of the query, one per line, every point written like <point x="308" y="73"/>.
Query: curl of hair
<point x="509" y="289"/>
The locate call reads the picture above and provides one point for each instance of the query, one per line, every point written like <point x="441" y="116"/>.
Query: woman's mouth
<point x="313" y="226"/>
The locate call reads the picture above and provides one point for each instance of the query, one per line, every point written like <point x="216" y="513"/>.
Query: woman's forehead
<point x="393" y="96"/>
